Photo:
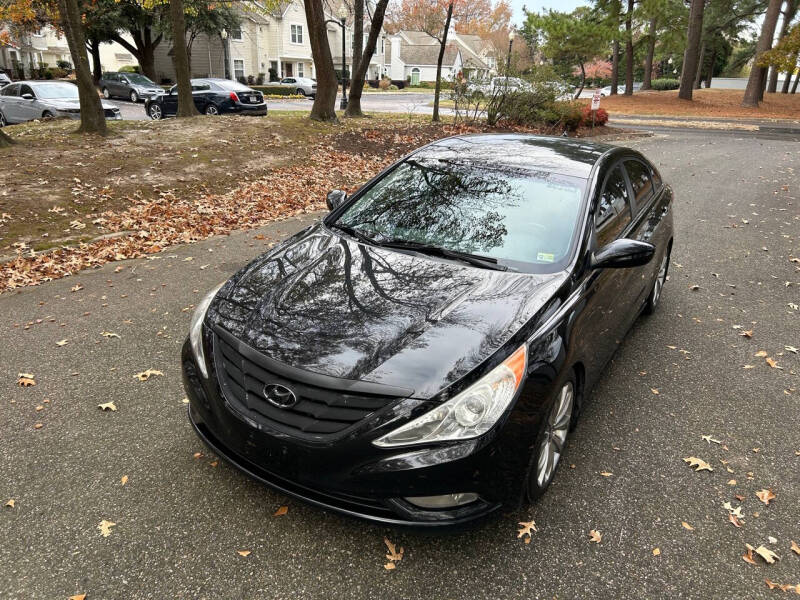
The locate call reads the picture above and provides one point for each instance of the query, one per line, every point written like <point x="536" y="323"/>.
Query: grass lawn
<point x="704" y="103"/>
<point x="87" y="200"/>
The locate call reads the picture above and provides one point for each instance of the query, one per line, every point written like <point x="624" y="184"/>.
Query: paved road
<point x="180" y="520"/>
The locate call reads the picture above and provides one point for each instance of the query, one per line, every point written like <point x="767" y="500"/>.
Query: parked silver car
<point x="606" y="91"/>
<point x="303" y="85"/>
<point x="131" y="86"/>
<point x="487" y="87"/>
<point x="4" y="79"/>
<point x="28" y="100"/>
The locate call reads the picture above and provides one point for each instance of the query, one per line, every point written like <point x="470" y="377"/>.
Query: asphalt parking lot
<point x="181" y="520"/>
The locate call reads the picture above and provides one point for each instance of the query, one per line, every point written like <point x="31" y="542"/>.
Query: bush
<point x="260" y="79"/>
<point x="384" y="83"/>
<point x="242" y="80"/>
<point x="130" y="69"/>
<point x="64" y="64"/>
<point x="600" y="116"/>
<point x="273" y="74"/>
<point x="393" y="87"/>
<point x="521" y="108"/>
<point x="563" y="114"/>
<point x="665" y="84"/>
<point x="251" y="80"/>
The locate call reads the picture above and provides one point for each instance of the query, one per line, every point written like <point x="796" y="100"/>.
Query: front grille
<point x="109" y="112"/>
<point x="319" y="412"/>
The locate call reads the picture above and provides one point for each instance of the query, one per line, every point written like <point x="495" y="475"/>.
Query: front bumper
<point x="350" y="475"/>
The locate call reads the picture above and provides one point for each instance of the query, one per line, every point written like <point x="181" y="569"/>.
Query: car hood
<point x="60" y="104"/>
<point x="324" y="303"/>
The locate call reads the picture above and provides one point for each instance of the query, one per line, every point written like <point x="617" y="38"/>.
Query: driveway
<point x="181" y="518"/>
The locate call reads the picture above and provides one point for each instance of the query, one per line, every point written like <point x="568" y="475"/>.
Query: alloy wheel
<point x="212" y="110"/>
<point x="3" y="121"/>
<point x="555" y="434"/>
<point x="300" y="92"/>
<point x="155" y="112"/>
<point x="660" y="279"/>
<point x="106" y="95"/>
<point x="134" y="97"/>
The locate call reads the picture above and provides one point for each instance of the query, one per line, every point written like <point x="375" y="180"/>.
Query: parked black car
<point x="420" y="356"/>
<point x="211" y="97"/>
<point x="131" y="86"/>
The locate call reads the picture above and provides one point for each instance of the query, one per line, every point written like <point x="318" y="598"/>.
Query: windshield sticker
<point x="545" y="257"/>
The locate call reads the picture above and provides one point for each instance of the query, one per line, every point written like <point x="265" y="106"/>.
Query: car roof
<point x="565" y="156"/>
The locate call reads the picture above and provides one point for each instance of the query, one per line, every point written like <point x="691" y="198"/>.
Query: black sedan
<point x="211" y="97"/>
<point x="421" y="355"/>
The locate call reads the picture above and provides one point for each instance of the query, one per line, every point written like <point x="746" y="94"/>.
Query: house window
<point x="238" y="68"/>
<point x="236" y="34"/>
<point x="297" y="34"/>
<point x="300" y="70"/>
<point x="382" y="46"/>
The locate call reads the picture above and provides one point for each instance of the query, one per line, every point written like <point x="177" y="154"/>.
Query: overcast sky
<point x="537" y="5"/>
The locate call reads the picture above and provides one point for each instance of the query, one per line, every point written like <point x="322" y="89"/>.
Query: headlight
<point x="470" y="414"/>
<point x="196" y="329"/>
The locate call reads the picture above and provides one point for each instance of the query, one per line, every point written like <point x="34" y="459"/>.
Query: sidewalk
<point x="789" y="126"/>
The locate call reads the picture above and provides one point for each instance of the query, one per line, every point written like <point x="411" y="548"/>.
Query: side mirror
<point x="27" y="96"/>
<point x="335" y="199"/>
<point x="623" y="253"/>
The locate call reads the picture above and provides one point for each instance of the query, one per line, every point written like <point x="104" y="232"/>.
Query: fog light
<point x="445" y="501"/>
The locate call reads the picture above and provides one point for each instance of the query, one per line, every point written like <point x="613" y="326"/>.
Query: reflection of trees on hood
<point x="455" y="204"/>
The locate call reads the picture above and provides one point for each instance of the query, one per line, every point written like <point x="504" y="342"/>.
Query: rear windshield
<point x="233" y="86"/>
<point x="527" y="219"/>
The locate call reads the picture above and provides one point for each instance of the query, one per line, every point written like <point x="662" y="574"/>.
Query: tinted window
<point x="642" y="186"/>
<point x="200" y="86"/>
<point x="513" y="215"/>
<point x="613" y="211"/>
<point x="10" y="90"/>
<point x="25" y="89"/>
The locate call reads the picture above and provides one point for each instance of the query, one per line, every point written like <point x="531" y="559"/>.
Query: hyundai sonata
<point x="421" y="354"/>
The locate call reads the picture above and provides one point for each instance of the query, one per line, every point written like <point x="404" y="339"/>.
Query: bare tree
<point x="359" y="72"/>
<point x="442" y="48"/>
<point x="324" y="108"/>
<point x="691" y="55"/>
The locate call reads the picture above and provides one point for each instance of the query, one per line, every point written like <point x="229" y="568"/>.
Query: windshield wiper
<point x="485" y="262"/>
<point x="354" y="232"/>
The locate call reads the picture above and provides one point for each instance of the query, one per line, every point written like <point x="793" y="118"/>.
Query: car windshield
<point x="510" y="214"/>
<point x="55" y="91"/>
<point x="139" y="79"/>
<point x="233" y="86"/>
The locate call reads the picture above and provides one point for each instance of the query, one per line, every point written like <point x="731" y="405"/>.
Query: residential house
<point x="32" y="51"/>
<point x="414" y="55"/>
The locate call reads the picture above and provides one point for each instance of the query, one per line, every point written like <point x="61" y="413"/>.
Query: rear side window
<point x="613" y="211"/>
<point x="641" y="183"/>
<point x="10" y="90"/>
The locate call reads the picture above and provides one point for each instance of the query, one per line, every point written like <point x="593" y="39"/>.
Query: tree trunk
<point x="92" y="118"/>
<point x="794" y="85"/>
<point x="788" y="79"/>
<point x="753" y="91"/>
<point x="692" y="52"/>
<point x="615" y="11"/>
<point x="5" y="141"/>
<point x="180" y="60"/>
<point x="358" y="41"/>
<point x="710" y="72"/>
<point x="698" y="72"/>
<point x="357" y="87"/>
<point x="788" y="16"/>
<point x="629" y="50"/>
<point x="97" y="67"/>
<point x="324" y="107"/>
<point x="648" y="61"/>
<point x="143" y="48"/>
<point x="581" y="84"/>
<point x="442" y="48"/>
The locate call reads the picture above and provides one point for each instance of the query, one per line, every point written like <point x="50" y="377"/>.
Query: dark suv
<point x="131" y="86"/>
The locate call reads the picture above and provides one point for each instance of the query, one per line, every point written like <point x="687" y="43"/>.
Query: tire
<point x="134" y="96"/>
<point x="651" y="303"/>
<point x="300" y="92"/>
<point x="106" y="93"/>
<point x="47" y="115"/>
<point x="551" y="438"/>
<point x="154" y="112"/>
<point x="3" y="120"/>
<point x="211" y="109"/>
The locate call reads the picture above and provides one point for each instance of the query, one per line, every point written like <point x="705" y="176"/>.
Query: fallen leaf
<point x="389" y="566"/>
<point x="795" y="548"/>
<point x="732" y="518"/>
<point x="12" y="503"/>
<point x="108" y="406"/>
<point x="772" y="363"/>
<point x="61" y="342"/>
<point x="281" y="511"/>
<point x="25" y="380"/>
<point x="748" y="556"/>
<point x="76" y="288"/>
<point x="105" y="527"/>
<point x="109" y="334"/>
<point x="767" y="554"/>
<point x="124" y="480"/>
<point x="243" y="552"/>
<point x="394" y="554"/>
<point x="709" y="439"/>
<point x="770" y="584"/>
<point x="731" y="482"/>
<point x="606" y="473"/>
<point x="656" y="551"/>
<point x="78" y="597"/>
<point x="214" y="463"/>
<point x="760" y="354"/>
<point x="699" y="463"/>
<point x="595" y="536"/>
<point x="197" y="454"/>
<point x="145" y="375"/>
<point x="687" y="526"/>
<point x="528" y="527"/>
<point x="747" y="334"/>
<point x="765" y="496"/>
<point x="655" y="391"/>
